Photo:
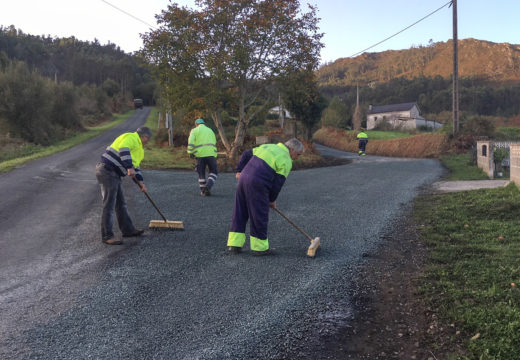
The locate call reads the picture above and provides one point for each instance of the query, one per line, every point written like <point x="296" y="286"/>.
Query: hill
<point x="479" y="59"/>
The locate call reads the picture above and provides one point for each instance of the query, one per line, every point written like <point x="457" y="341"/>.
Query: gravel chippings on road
<point x="178" y="295"/>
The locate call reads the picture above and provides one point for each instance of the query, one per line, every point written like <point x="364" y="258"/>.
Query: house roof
<point x="391" y="108"/>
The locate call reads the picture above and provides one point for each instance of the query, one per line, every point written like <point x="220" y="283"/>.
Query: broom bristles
<point x="166" y="224"/>
<point x="315" y="244"/>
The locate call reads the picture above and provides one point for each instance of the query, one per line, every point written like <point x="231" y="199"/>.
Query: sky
<point x="349" y="26"/>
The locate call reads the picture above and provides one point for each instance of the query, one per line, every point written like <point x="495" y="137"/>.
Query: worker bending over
<point x="202" y="144"/>
<point x="120" y="159"/>
<point x="261" y="173"/>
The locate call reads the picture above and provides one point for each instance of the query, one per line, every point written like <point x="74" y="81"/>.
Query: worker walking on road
<point x="120" y="159"/>
<point x="261" y="173"/>
<point x="363" y="141"/>
<point x="202" y="144"/>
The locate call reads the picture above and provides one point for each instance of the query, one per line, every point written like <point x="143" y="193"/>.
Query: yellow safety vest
<point x="202" y="142"/>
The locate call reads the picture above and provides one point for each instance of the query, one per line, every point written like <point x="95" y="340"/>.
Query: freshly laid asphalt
<point x="178" y="294"/>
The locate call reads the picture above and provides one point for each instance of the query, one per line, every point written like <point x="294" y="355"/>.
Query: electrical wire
<point x="406" y="28"/>
<point x="127" y="13"/>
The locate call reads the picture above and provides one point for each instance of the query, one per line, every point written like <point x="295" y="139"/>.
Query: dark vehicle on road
<point x="138" y="103"/>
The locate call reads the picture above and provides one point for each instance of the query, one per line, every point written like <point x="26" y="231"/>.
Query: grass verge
<point x="33" y="152"/>
<point x="473" y="271"/>
<point x="461" y="168"/>
<point x="161" y="158"/>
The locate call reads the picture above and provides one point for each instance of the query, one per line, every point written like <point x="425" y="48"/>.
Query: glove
<point x="192" y="156"/>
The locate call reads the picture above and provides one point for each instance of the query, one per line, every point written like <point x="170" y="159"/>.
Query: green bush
<point x="336" y="115"/>
<point x="64" y="111"/>
<point x="477" y="126"/>
<point x="27" y="102"/>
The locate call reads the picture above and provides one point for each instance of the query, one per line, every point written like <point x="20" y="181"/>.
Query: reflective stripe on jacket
<point x="124" y="153"/>
<point x="202" y="142"/>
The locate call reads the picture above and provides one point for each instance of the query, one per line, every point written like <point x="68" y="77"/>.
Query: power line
<point x="127" y="13"/>
<point x="406" y="28"/>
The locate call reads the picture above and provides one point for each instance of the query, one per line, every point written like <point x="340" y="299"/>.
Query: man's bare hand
<point x="142" y="186"/>
<point x="237" y="175"/>
<point x="131" y="172"/>
<point x="273" y="204"/>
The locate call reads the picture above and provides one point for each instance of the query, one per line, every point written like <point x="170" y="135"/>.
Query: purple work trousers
<point x="252" y="199"/>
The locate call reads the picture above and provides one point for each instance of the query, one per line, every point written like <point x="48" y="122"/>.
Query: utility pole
<point x="455" y="71"/>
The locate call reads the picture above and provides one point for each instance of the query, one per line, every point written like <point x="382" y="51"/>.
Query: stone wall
<point x="485" y="157"/>
<point x="514" y="156"/>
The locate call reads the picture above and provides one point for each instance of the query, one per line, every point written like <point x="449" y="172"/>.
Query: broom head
<point x="315" y="244"/>
<point x="161" y="224"/>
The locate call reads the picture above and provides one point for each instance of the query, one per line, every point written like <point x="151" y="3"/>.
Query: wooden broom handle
<point x="293" y="224"/>
<point x="149" y="198"/>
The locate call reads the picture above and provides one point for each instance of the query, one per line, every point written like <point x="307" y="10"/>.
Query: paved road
<point x="49" y="227"/>
<point x="178" y="295"/>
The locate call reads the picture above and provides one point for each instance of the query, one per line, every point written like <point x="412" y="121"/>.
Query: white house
<point x="402" y="116"/>
<point x="276" y="110"/>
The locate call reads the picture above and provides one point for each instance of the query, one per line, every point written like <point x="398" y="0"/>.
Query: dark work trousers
<point x="113" y="200"/>
<point x="252" y="202"/>
<point x="362" y="145"/>
<point x="211" y="163"/>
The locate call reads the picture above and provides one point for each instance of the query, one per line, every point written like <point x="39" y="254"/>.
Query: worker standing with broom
<point x="120" y="159"/>
<point x="261" y="173"/>
<point x="202" y="144"/>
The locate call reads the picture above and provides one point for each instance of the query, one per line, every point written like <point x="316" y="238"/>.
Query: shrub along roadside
<point x="473" y="271"/>
<point x="32" y="152"/>
<point x="418" y="146"/>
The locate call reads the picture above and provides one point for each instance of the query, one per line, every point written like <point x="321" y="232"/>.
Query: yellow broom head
<point x="315" y="244"/>
<point x="161" y="224"/>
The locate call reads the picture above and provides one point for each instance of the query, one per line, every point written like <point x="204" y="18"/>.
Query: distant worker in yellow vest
<point x="120" y="159"/>
<point x="202" y="144"/>
<point x="261" y="173"/>
<point x="362" y="142"/>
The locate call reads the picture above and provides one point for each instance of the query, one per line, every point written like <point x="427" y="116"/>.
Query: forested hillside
<point x="489" y="80"/>
<point x="50" y="87"/>
<point x="477" y="59"/>
<point x="80" y="62"/>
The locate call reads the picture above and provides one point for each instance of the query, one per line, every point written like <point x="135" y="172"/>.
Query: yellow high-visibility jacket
<point x="202" y="142"/>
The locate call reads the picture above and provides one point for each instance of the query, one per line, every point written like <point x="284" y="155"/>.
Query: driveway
<point x="177" y="294"/>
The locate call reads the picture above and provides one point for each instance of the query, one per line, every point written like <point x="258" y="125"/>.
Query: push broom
<point x="163" y="224"/>
<point x="315" y="243"/>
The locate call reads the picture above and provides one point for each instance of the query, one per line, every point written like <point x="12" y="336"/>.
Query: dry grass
<point x="419" y="146"/>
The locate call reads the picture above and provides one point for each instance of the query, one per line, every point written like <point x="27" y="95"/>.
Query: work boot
<point x="113" y="241"/>
<point x="234" y="249"/>
<point x="136" y="232"/>
<point x="263" y="253"/>
<point x="206" y="191"/>
<point x="363" y="154"/>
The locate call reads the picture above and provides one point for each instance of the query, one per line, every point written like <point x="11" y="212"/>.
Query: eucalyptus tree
<point x="227" y="55"/>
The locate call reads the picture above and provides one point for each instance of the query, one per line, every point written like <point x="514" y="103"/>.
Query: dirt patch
<point x="390" y="320"/>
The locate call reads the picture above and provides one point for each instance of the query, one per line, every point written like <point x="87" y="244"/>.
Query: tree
<point x="336" y="114"/>
<point x="303" y="99"/>
<point x="111" y="87"/>
<point x="226" y="56"/>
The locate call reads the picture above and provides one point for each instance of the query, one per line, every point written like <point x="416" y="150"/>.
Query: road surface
<point x="177" y="294"/>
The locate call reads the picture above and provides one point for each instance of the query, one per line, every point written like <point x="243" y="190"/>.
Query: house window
<point x="484" y="150"/>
